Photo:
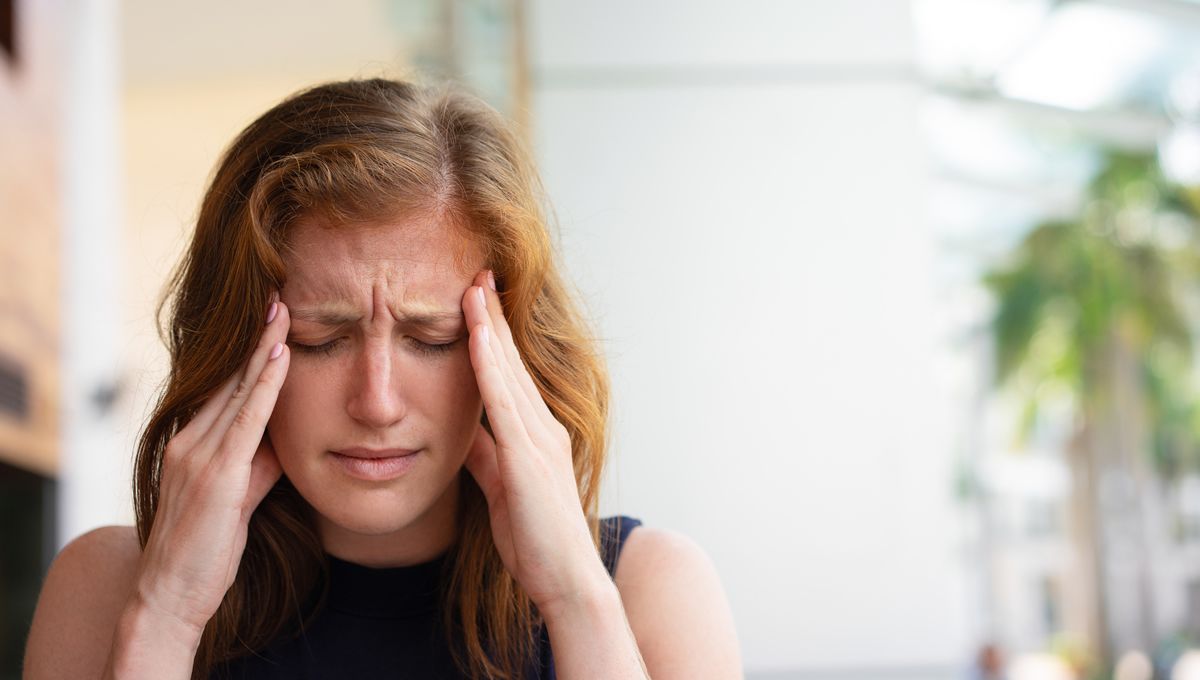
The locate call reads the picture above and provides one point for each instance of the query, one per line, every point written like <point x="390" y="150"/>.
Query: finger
<point x="483" y="464"/>
<point x="245" y="432"/>
<point x="264" y="472"/>
<point x="202" y="422"/>
<point x="501" y="404"/>
<point x="510" y="358"/>
<point x="495" y="310"/>
<point x="199" y="425"/>
<point x="478" y="313"/>
<point x="275" y="332"/>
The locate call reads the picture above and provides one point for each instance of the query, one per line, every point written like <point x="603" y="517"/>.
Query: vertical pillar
<point x="92" y="463"/>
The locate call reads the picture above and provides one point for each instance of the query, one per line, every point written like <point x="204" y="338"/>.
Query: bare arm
<point x="151" y="644"/>
<point x="91" y="623"/>
<point x="81" y="600"/>
<point x="677" y="607"/>
<point x="668" y="594"/>
<point x="590" y="635"/>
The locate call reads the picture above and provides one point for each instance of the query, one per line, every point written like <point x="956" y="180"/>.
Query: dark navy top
<point x="385" y="623"/>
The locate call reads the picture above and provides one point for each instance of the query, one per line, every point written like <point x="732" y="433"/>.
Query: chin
<point x="415" y="502"/>
<point x="370" y="512"/>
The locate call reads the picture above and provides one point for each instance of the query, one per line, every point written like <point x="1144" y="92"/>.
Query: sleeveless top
<point x="385" y="623"/>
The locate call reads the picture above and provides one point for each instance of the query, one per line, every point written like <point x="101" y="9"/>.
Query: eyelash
<point x="424" y="348"/>
<point x="433" y="349"/>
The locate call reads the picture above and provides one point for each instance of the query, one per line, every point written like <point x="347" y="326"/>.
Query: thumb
<point x="483" y="465"/>
<point x="264" y="472"/>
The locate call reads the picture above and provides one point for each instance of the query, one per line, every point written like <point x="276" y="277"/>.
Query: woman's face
<point x="380" y="368"/>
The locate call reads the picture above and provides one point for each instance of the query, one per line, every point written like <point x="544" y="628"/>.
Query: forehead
<point x="414" y="256"/>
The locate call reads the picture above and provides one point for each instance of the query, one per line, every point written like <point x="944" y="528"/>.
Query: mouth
<point x="372" y="454"/>
<point x="375" y="465"/>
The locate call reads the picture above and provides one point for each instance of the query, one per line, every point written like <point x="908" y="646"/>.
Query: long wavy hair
<point x="358" y="151"/>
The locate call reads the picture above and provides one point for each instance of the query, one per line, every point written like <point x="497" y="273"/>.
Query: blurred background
<point x="900" y="298"/>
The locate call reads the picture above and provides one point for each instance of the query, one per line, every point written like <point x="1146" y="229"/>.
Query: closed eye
<point x="421" y="347"/>
<point x="434" y="348"/>
<point x="324" y="348"/>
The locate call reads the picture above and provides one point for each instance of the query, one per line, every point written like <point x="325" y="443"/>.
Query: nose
<point x="375" y="395"/>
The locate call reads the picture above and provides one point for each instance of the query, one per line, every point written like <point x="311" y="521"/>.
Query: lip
<point x="374" y="465"/>
<point x="362" y="452"/>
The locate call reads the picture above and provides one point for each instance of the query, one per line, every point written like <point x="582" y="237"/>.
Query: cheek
<point x="447" y="394"/>
<point x="448" y="387"/>
<point x="302" y="410"/>
<point x="460" y="377"/>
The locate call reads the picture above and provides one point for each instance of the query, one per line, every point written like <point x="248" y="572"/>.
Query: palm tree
<point x="1094" y="311"/>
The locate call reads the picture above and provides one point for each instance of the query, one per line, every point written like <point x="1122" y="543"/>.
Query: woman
<point x="381" y="399"/>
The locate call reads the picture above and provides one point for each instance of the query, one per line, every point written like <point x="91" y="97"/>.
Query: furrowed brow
<point x="326" y="316"/>
<point x="429" y="317"/>
<point x="338" y="317"/>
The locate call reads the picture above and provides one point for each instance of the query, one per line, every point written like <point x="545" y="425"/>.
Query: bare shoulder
<point x="82" y="597"/>
<point x="677" y="607"/>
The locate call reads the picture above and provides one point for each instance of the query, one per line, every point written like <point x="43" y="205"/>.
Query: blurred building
<point x="32" y="64"/>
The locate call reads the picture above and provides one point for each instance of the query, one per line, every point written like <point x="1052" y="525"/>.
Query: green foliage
<point x="1123" y="272"/>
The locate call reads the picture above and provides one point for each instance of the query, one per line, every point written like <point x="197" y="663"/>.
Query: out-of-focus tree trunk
<point x="1108" y="461"/>
<point x="1085" y="611"/>
<point x="1129" y="549"/>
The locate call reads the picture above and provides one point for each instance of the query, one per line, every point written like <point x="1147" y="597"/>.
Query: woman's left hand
<point x="526" y="471"/>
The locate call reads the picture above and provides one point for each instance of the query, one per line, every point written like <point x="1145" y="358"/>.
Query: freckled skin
<point x="377" y="386"/>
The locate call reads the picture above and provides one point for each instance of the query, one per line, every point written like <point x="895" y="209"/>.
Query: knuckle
<point x="245" y="417"/>
<point x="173" y="451"/>
<point x="242" y="389"/>
<point x="505" y="403"/>
<point x="561" y="435"/>
<point x="176" y="456"/>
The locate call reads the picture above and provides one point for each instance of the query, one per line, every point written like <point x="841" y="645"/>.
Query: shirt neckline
<point x="385" y="593"/>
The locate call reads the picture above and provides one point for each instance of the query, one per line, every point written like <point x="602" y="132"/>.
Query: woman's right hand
<point x="215" y="471"/>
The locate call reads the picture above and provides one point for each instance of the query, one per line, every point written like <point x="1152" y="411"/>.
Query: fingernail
<point x="271" y="311"/>
<point x="276" y="350"/>
<point x="491" y="280"/>
<point x="482" y="298"/>
<point x="483" y="334"/>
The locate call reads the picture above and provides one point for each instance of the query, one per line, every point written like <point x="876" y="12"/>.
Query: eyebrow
<point x="339" y="315"/>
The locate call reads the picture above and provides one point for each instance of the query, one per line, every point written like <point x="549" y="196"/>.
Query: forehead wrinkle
<point x="326" y="313"/>
<point x="423" y="313"/>
<point x="333" y="287"/>
<point x="323" y="299"/>
<point x="337" y="313"/>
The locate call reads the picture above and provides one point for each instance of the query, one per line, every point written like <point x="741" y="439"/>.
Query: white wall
<point x="741" y="192"/>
